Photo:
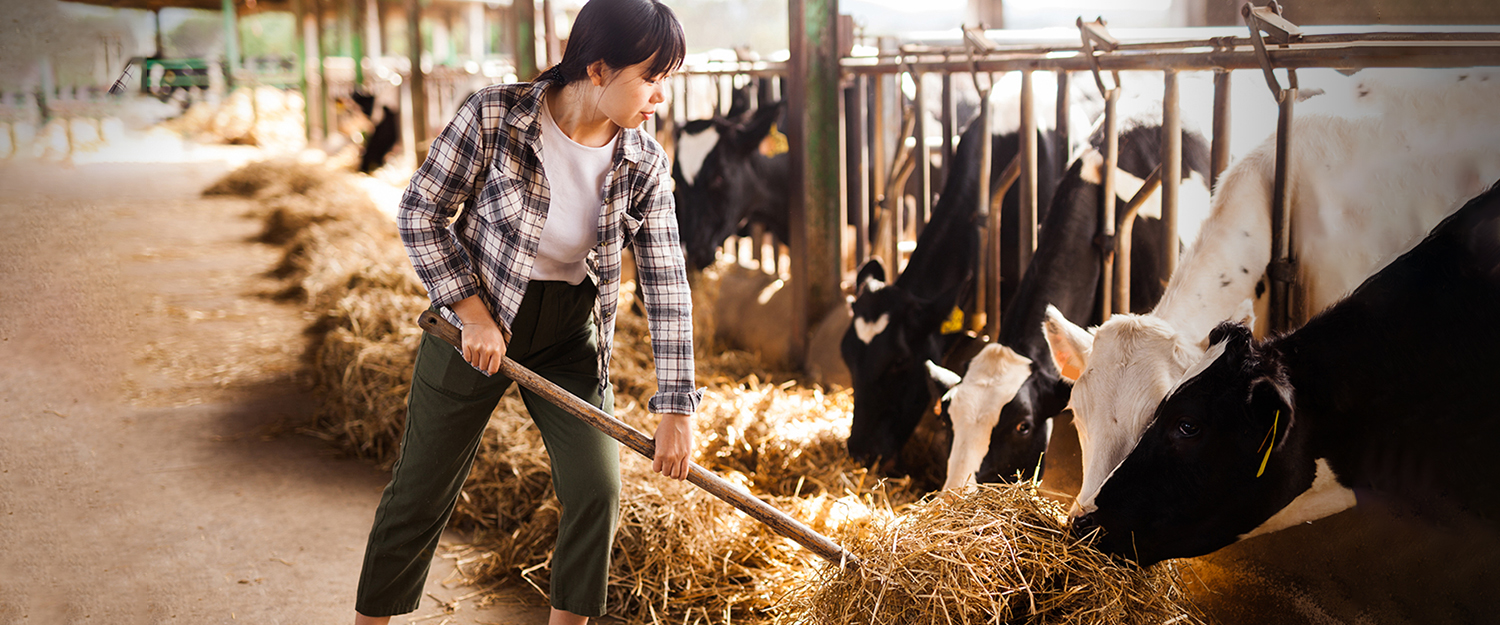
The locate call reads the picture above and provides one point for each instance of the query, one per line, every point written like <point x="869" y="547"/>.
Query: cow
<point x="1390" y="393"/>
<point x="723" y="181"/>
<point x="385" y="132"/>
<point x="1373" y="165"/>
<point x="1002" y="410"/>
<point x="896" y="330"/>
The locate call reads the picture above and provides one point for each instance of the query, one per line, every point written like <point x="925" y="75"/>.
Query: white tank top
<point x="575" y="173"/>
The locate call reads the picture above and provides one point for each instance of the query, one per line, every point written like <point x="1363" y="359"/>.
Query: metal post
<point x="1064" y="131"/>
<point x="1282" y="262"/>
<point x="1114" y="290"/>
<point x="156" y="16"/>
<point x="417" y="80"/>
<point x="549" y="31"/>
<point x="1171" y="167"/>
<point x="924" y="164"/>
<point x="880" y="206"/>
<point x="859" y="176"/>
<point x="947" y="118"/>
<point x="1026" y="226"/>
<point x="357" y="40"/>
<point x="299" y="16"/>
<point x="373" y="44"/>
<point x="231" y="43"/>
<point x="813" y="137"/>
<point x="317" y="33"/>
<point x="525" y="43"/>
<point x="987" y="287"/>
<point x="1219" y="155"/>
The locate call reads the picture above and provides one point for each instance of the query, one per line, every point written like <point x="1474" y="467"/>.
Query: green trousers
<point x="450" y="403"/>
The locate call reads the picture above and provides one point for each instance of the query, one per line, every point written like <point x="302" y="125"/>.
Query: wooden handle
<point x="717" y="486"/>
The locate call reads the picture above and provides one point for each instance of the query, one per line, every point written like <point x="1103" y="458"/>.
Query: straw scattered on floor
<point x="681" y="556"/>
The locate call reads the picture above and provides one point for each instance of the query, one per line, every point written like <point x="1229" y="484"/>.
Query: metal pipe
<point x="1108" y="278"/>
<point x="1219" y="155"/>
<point x="992" y="244"/>
<point x="1064" y="131"/>
<point x="1125" y="230"/>
<point x="859" y="175"/>
<point x="924" y="164"/>
<point x="1026" y="223"/>
<point x="986" y="289"/>
<point x="1281" y="268"/>
<point x="879" y="206"/>
<point x="1353" y="57"/>
<point x="947" y="119"/>
<point x="1171" y="163"/>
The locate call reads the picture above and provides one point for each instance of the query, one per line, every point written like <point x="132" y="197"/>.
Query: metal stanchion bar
<point x="1109" y="275"/>
<point x="1064" y="132"/>
<point x="924" y="165"/>
<point x="1026" y="230"/>
<point x="1124" y="230"/>
<point x="1348" y="57"/>
<point x="1171" y="164"/>
<point x="1219" y="155"/>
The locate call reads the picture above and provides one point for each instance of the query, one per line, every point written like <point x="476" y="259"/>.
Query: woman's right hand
<point x="484" y="343"/>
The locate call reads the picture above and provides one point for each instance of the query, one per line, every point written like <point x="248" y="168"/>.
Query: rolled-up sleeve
<point x="669" y="303"/>
<point x="443" y="183"/>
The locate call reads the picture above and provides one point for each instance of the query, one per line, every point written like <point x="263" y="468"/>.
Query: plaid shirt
<point x="488" y="158"/>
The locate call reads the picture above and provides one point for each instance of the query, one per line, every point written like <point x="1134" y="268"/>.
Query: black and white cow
<point x="1002" y="410"/>
<point x="1389" y="393"/>
<point x="723" y="181"/>
<point x="895" y="340"/>
<point x="383" y="135"/>
<point x="1374" y="163"/>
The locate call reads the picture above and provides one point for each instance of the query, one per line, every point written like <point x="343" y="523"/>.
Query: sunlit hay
<point x="264" y="116"/>
<point x="273" y="177"/>
<point x="995" y="554"/>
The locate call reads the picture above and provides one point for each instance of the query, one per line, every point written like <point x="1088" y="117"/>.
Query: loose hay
<point x="681" y="556"/>
<point x="997" y="554"/>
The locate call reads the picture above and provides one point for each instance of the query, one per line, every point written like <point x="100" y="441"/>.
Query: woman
<point x="555" y="177"/>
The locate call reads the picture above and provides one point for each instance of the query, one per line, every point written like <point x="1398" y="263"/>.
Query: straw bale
<point x="993" y="554"/>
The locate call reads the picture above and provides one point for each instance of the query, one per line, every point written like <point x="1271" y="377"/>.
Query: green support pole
<point x="357" y="41"/>
<point x="231" y="44"/>
<point x="526" y="68"/>
<point x="322" y="68"/>
<point x="814" y="137"/>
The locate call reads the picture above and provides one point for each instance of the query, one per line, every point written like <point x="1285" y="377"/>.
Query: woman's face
<point x="630" y="97"/>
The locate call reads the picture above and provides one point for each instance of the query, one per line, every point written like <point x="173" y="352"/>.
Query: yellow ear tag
<point x="954" y="323"/>
<point x="1269" y="444"/>
<point x="774" y="143"/>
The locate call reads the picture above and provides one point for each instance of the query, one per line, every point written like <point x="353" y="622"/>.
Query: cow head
<point x="998" y="433"/>
<point x="721" y="178"/>
<point x="892" y="337"/>
<point x="1220" y="458"/>
<point x="1120" y="372"/>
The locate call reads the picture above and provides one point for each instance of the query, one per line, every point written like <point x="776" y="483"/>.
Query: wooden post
<point x="525" y="42"/>
<point x="813" y="134"/>
<point x="417" y="80"/>
<point x="1171" y="167"/>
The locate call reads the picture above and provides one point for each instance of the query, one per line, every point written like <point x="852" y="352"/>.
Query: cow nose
<point x="1084" y="525"/>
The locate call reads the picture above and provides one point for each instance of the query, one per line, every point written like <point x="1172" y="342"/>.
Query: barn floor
<point x="150" y="465"/>
<point x="152" y="469"/>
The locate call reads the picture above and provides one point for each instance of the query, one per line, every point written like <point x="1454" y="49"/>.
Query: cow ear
<point x="747" y="136"/>
<point x="1070" y="344"/>
<point x="871" y="277"/>
<point x="945" y="379"/>
<point x="1271" y="407"/>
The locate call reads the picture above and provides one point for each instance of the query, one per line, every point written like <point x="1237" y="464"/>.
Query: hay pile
<point x="263" y="116"/>
<point x="996" y="554"/>
<point x="681" y="556"/>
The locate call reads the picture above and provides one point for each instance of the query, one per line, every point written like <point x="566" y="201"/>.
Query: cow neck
<point x="1212" y="281"/>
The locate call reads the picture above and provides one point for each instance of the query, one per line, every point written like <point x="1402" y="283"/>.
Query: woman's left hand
<point x="674" y="446"/>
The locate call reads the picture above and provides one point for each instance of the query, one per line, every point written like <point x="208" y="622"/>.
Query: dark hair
<point x="621" y="33"/>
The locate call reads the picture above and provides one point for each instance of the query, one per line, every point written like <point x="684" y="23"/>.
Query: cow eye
<point x="1023" y="428"/>
<point x="1187" y="429"/>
